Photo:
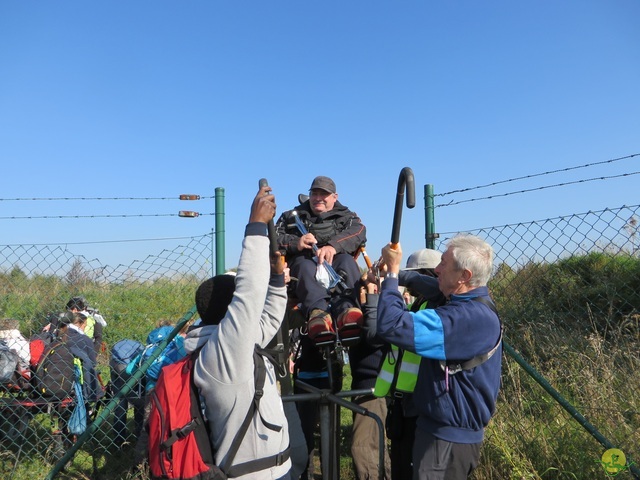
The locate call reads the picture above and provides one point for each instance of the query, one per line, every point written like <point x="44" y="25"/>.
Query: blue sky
<point x="152" y="99"/>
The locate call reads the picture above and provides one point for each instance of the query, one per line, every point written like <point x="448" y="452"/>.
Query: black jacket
<point x="340" y="227"/>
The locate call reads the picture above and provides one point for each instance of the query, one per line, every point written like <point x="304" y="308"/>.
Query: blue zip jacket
<point x="457" y="408"/>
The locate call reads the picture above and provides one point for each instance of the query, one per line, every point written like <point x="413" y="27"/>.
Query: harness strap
<point x="259" y="464"/>
<point x="260" y="372"/>
<point x="475" y="361"/>
<point x="396" y="373"/>
<point x="453" y="368"/>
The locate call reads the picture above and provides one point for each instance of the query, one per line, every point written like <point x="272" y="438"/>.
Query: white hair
<point x="474" y="254"/>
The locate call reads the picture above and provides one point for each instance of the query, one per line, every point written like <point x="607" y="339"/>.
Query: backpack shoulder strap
<point x="488" y="303"/>
<point x="259" y="375"/>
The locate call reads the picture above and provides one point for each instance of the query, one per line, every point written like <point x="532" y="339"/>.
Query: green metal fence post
<point x="213" y="252"/>
<point x="429" y="218"/>
<point x="220" y="253"/>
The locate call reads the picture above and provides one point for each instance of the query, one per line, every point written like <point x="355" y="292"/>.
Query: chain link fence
<point x="567" y="288"/>
<point x="36" y="283"/>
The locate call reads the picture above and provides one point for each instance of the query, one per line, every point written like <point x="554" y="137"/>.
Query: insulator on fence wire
<point x="188" y="213"/>
<point x="188" y="196"/>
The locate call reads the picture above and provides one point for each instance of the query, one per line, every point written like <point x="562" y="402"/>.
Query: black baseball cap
<point x="323" y="183"/>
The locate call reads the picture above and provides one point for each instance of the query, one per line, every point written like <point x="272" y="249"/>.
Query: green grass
<point x="586" y="347"/>
<point x="530" y="437"/>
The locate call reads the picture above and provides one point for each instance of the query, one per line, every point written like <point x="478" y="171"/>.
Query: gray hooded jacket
<point x="224" y="371"/>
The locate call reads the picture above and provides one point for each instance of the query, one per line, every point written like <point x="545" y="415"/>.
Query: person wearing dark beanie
<point x="213" y="298"/>
<point x="237" y="314"/>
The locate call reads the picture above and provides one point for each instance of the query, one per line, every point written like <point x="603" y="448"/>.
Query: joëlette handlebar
<point x="405" y="183"/>
<point x="271" y="229"/>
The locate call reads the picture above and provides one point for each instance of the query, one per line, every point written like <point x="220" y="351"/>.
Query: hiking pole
<point x="371" y="267"/>
<point x="335" y="279"/>
<point x="405" y="182"/>
<point x="367" y="260"/>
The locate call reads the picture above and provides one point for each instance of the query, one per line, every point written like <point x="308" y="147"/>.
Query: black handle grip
<point x="271" y="229"/>
<point x="405" y="182"/>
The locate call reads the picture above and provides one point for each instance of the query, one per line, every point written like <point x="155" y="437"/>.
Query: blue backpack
<point x="122" y="353"/>
<point x="173" y="352"/>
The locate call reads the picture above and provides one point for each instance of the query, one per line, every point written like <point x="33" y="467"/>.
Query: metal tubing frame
<point x="429" y="218"/>
<point x="326" y="397"/>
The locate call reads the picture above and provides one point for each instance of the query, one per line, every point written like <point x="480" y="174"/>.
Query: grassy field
<point x="575" y="322"/>
<point x="531" y="436"/>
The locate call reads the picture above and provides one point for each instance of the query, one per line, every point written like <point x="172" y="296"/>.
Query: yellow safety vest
<point x="90" y="326"/>
<point x="78" y="363"/>
<point x="399" y="366"/>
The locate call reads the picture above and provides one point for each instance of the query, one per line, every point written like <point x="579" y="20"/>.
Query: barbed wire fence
<point x="567" y="288"/>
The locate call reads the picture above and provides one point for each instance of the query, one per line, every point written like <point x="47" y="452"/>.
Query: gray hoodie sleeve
<point x="228" y="354"/>
<point x="274" y="310"/>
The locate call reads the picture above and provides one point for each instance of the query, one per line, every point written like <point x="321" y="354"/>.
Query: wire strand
<point x="535" y="189"/>
<point x="101" y="216"/>
<point x="106" y="241"/>
<point x="537" y="175"/>
<point x="95" y="198"/>
<point x="562" y="217"/>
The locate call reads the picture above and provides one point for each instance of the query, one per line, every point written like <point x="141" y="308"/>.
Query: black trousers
<point x="135" y="399"/>
<point x="313" y="294"/>
<point x="401" y="433"/>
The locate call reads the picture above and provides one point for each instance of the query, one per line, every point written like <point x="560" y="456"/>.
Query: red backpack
<point x="37" y="346"/>
<point x="179" y="444"/>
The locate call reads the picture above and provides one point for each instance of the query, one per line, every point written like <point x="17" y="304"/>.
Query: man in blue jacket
<point x="460" y="342"/>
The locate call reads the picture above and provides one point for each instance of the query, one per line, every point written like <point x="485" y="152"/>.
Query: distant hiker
<point x="10" y="333"/>
<point x="95" y="321"/>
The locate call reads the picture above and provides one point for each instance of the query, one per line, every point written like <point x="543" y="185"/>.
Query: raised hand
<point x="263" y="207"/>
